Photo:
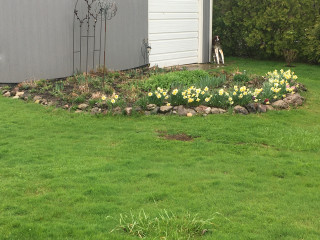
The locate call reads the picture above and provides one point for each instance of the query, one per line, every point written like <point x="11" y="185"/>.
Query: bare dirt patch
<point x="178" y="137"/>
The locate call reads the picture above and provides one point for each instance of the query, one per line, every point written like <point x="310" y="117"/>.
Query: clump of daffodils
<point x="278" y="85"/>
<point x="113" y="99"/>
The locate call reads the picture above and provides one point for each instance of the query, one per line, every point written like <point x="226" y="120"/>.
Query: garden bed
<point x="164" y="91"/>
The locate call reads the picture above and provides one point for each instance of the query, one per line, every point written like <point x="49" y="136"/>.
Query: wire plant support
<point x="90" y="33"/>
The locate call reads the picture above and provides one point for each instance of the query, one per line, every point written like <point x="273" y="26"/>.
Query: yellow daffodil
<point x="150" y="94"/>
<point x="103" y="98"/>
<point x="113" y="101"/>
<point x="206" y="89"/>
<point x="221" y="92"/>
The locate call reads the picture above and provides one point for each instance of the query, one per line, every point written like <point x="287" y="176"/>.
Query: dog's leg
<point x="222" y="56"/>
<point x="216" y="51"/>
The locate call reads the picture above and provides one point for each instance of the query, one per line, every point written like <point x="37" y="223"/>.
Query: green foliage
<point x="267" y="28"/>
<point x="79" y="99"/>
<point x="165" y="225"/>
<point x="211" y="81"/>
<point x="241" y="78"/>
<point x="174" y="79"/>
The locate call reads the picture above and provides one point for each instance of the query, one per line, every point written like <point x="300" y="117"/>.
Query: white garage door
<point x="174" y="32"/>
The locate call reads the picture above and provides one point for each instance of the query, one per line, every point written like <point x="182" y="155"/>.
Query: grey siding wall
<point x="206" y="30"/>
<point x="36" y="38"/>
<point x="126" y="33"/>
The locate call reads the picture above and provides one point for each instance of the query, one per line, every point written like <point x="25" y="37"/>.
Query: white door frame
<point x="200" y="47"/>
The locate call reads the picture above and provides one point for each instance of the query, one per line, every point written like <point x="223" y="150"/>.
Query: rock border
<point x="294" y="100"/>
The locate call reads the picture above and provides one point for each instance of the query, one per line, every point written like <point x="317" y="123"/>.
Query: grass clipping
<point x="165" y="226"/>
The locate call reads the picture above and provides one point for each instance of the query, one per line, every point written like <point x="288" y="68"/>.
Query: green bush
<point x="241" y="78"/>
<point x="174" y="79"/>
<point x="268" y="29"/>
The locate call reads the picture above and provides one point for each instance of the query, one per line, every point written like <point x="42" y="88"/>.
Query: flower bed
<point x="124" y="92"/>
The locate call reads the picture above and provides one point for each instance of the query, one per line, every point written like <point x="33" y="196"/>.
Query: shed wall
<point x="36" y="38"/>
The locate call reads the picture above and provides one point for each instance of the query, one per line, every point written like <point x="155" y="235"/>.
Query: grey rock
<point x="83" y="106"/>
<point x="165" y="109"/>
<point x="294" y="99"/>
<point x="16" y="97"/>
<point x="78" y="111"/>
<point x="7" y="94"/>
<point x="280" y="104"/>
<point x="252" y="107"/>
<point x="117" y="111"/>
<point x="203" y="109"/>
<point x="95" y="110"/>
<point x="147" y="113"/>
<point x="181" y="111"/>
<point x="65" y="106"/>
<point x="262" y="108"/>
<point x="128" y="111"/>
<point x="155" y="110"/>
<point x="150" y="107"/>
<point x="269" y="108"/>
<point x="19" y="94"/>
<point x="240" y="110"/>
<point x="191" y="111"/>
<point x="138" y="109"/>
<point x="218" y="111"/>
<point x="35" y="98"/>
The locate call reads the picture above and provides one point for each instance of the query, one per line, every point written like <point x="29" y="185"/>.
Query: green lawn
<point x="68" y="176"/>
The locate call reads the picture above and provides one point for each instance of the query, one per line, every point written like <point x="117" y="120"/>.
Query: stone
<point x="240" y="110"/>
<point x="37" y="101"/>
<point x="165" y="109"/>
<point x="50" y="104"/>
<point x="294" y="99"/>
<point x="20" y="94"/>
<point x="95" y="110"/>
<point x="138" y="109"/>
<point x="35" y="98"/>
<point x="190" y="110"/>
<point x="189" y="114"/>
<point x="16" y="97"/>
<point x="203" y="109"/>
<point x="96" y="95"/>
<point x="252" y="107"/>
<point x="155" y="110"/>
<point x="174" y="112"/>
<point x="66" y="106"/>
<point x="262" y="108"/>
<point x="218" y="111"/>
<point x="128" y="111"/>
<point x="117" y="111"/>
<point x="269" y="108"/>
<point x="150" y="107"/>
<point x="44" y="102"/>
<point x="7" y="94"/>
<point x="78" y="111"/>
<point x="280" y="104"/>
<point x="147" y="113"/>
<point x="83" y="106"/>
<point x="181" y="111"/>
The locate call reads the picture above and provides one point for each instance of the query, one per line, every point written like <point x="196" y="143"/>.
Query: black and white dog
<point x="217" y="50"/>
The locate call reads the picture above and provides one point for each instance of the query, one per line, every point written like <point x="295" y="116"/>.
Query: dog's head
<point x="216" y="39"/>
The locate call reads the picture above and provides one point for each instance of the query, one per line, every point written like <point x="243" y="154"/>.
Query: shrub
<point x="241" y="78"/>
<point x="174" y="79"/>
<point x="165" y="225"/>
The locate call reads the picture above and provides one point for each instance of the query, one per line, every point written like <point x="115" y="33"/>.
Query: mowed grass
<point x="68" y="176"/>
